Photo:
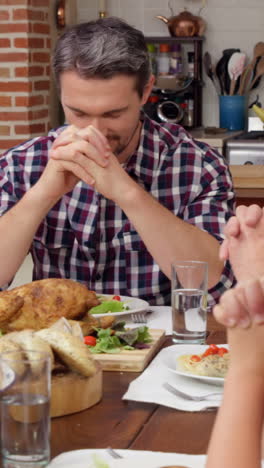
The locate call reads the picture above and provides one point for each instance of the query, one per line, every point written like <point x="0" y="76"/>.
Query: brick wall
<point x="25" y="48"/>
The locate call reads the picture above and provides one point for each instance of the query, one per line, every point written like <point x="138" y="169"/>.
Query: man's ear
<point x="147" y="89"/>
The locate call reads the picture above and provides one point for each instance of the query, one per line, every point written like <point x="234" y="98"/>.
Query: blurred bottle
<point x="189" y="121"/>
<point x="176" y="65"/>
<point x="191" y="64"/>
<point x="153" y="57"/>
<point x="163" y="59"/>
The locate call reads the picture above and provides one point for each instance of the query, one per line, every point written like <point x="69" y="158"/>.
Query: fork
<point x="187" y="396"/>
<point x="139" y="317"/>
<point x="113" y="453"/>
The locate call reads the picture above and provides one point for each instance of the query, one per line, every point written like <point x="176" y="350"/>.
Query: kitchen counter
<point x="248" y="181"/>
<point x="216" y="140"/>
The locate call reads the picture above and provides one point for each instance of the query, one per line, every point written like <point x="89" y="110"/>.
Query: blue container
<point x="233" y="112"/>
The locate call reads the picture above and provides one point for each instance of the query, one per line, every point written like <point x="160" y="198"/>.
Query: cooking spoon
<point x="248" y="72"/>
<point x="259" y="72"/>
<point x="235" y="67"/>
<point x="209" y="70"/>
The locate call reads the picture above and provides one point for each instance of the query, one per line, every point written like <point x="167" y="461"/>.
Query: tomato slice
<point x="208" y="352"/>
<point x="116" y="298"/>
<point x="89" y="340"/>
<point x="222" y="351"/>
<point x="196" y="358"/>
<point x="215" y="348"/>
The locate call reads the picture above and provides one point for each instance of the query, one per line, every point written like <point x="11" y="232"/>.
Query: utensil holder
<point x="233" y="112"/>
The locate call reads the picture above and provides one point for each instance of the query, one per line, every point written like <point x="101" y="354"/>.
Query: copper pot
<point x="184" y="25"/>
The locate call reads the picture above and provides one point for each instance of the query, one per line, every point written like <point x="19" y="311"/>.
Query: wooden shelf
<point x="196" y="86"/>
<point x="161" y="39"/>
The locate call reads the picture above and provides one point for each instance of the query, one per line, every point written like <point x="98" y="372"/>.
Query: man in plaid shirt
<point x="112" y="198"/>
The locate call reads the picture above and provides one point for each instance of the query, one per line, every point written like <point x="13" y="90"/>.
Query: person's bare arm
<point x="236" y="437"/>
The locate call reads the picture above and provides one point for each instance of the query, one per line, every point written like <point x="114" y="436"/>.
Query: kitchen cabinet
<point x="194" y="43"/>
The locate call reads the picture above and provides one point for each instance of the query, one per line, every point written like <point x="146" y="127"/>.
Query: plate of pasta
<point x="203" y="362"/>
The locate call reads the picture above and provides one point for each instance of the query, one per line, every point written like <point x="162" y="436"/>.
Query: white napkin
<point x="159" y="318"/>
<point x="148" y="388"/>
<point x="132" y="458"/>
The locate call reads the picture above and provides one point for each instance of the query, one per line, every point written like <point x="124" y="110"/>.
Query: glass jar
<point x="163" y="59"/>
<point x="176" y="59"/>
<point x="153" y="57"/>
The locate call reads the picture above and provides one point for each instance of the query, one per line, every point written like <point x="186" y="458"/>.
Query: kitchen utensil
<point x="227" y="53"/>
<point x="113" y="453"/>
<point x="233" y="112"/>
<point x="245" y="79"/>
<point x="254" y="74"/>
<point x="249" y="71"/>
<point x="259" y="72"/>
<point x="140" y="317"/>
<point x="184" y="24"/>
<point x="258" y="50"/>
<point x="187" y="396"/>
<point x="209" y="71"/>
<point x="221" y="70"/>
<point x="235" y="67"/>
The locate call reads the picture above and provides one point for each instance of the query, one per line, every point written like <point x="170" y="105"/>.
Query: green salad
<point x="109" y="305"/>
<point x="115" y="339"/>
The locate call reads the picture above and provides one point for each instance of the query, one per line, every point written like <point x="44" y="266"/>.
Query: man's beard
<point x="121" y="146"/>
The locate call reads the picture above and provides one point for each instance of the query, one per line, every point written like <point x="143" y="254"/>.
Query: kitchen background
<point x="28" y="101"/>
<point x="230" y="24"/>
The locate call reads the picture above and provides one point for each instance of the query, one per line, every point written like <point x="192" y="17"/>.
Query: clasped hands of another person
<point x="236" y="437"/>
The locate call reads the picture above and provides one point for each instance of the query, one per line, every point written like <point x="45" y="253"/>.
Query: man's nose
<point x="97" y="122"/>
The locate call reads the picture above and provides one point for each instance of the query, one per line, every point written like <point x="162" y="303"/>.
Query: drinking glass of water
<point x="25" y="381"/>
<point x="189" y="281"/>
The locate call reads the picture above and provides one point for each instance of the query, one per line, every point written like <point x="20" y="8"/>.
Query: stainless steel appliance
<point x="246" y="148"/>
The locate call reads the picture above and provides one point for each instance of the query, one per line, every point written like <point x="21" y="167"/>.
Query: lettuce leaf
<point x="108" y="306"/>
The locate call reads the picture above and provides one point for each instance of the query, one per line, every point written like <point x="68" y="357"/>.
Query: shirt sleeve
<point x="208" y="200"/>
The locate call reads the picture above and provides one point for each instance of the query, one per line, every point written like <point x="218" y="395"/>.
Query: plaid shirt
<point x="88" y="238"/>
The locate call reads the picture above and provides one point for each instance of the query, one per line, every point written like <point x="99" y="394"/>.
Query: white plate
<point x="171" y="354"/>
<point x="135" y="305"/>
<point x="132" y="458"/>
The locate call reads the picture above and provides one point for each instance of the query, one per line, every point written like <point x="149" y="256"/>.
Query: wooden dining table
<point x="134" y="425"/>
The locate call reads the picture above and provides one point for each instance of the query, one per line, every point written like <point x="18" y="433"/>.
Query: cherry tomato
<point x="208" y="352"/>
<point x="89" y="340"/>
<point x="116" y="298"/>
<point x="222" y="351"/>
<point x="215" y="348"/>
<point x="196" y="358"/>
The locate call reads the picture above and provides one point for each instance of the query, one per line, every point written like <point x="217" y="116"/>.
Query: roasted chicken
<point x="39" y="304"/>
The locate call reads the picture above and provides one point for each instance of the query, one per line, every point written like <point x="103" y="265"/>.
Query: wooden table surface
<point x="131" y="425"/>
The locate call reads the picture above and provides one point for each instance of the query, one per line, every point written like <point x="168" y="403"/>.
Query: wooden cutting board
<point x="71" y="392"/>
<point x="132" y="361"/>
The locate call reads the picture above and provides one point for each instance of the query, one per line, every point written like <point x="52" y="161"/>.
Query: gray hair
<point x="103" y="49"/>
